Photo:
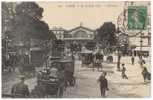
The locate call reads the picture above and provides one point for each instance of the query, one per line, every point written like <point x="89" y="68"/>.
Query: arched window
<point x="80" y="34"/>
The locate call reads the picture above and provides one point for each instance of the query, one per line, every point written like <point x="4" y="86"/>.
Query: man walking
<point x="132" y="60"/>
<point x="124" y="76"/>
<point x="103" y="84"/>
<point x="20" y="90"/>
<point x="146" y="75"/>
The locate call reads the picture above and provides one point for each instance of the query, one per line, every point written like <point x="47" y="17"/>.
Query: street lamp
<point x="118" y="59"/>
<point x="141" y="43"/>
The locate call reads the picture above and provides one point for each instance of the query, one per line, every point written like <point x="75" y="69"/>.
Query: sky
<point x="70" y="14"/>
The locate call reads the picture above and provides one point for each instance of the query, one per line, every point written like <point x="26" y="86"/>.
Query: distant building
<point x="78" y="34"/>
<point x="59" y="32"/>
<point x="145" y="46"/>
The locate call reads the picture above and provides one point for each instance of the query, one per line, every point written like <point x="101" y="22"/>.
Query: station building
<point x="78" y="34"/>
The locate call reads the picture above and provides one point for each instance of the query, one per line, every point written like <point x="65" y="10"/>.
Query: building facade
<point x="59" y="32"/>
<point x="78" y="34"/>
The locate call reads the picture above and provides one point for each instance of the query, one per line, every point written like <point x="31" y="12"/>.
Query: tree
<point x="52" y="35"/>
<point x="123" y="42"/>
<point x="28" y="20"/>
<point x="31" y="9"/>
<point x="8" y="15"/>
<point x="106" y="35"/>
<point x="23" y="21"/>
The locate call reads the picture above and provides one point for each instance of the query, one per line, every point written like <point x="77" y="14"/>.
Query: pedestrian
<point x="142" y="62"/>
<point x="103" y="84"/>
<point x="92" y="61"/>
<point x="146" y="75"/>
<point x="124" y="76"/>
<point x="132" y="60"/>
<point x="20" y="90"/>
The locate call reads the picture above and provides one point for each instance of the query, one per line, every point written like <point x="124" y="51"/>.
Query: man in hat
<point x="20" y="90"/>
<point x="132" y="60"/>
<point x="103" y="84"/>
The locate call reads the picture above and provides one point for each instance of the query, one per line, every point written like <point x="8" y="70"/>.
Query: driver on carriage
<point x="98" y="59"/>
<point x="99" y="55"/>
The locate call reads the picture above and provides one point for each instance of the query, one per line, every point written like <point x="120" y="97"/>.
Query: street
<point x="88" y="87"/>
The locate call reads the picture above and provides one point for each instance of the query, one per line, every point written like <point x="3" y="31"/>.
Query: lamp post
<point x="141" y="43"/>
<point x="118" y="53"/>
<point x="118" y="59"/>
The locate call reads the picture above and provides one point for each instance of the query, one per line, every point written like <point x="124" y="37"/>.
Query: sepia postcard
<point x="76" y="49"/>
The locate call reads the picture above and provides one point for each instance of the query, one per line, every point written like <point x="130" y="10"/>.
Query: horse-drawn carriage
<point x="51" y="82"/>
<point x="56" y="77"/>
<point x="68" y="66"/>
<point x="86" y="57"/>
<point x="89" y="57"/>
